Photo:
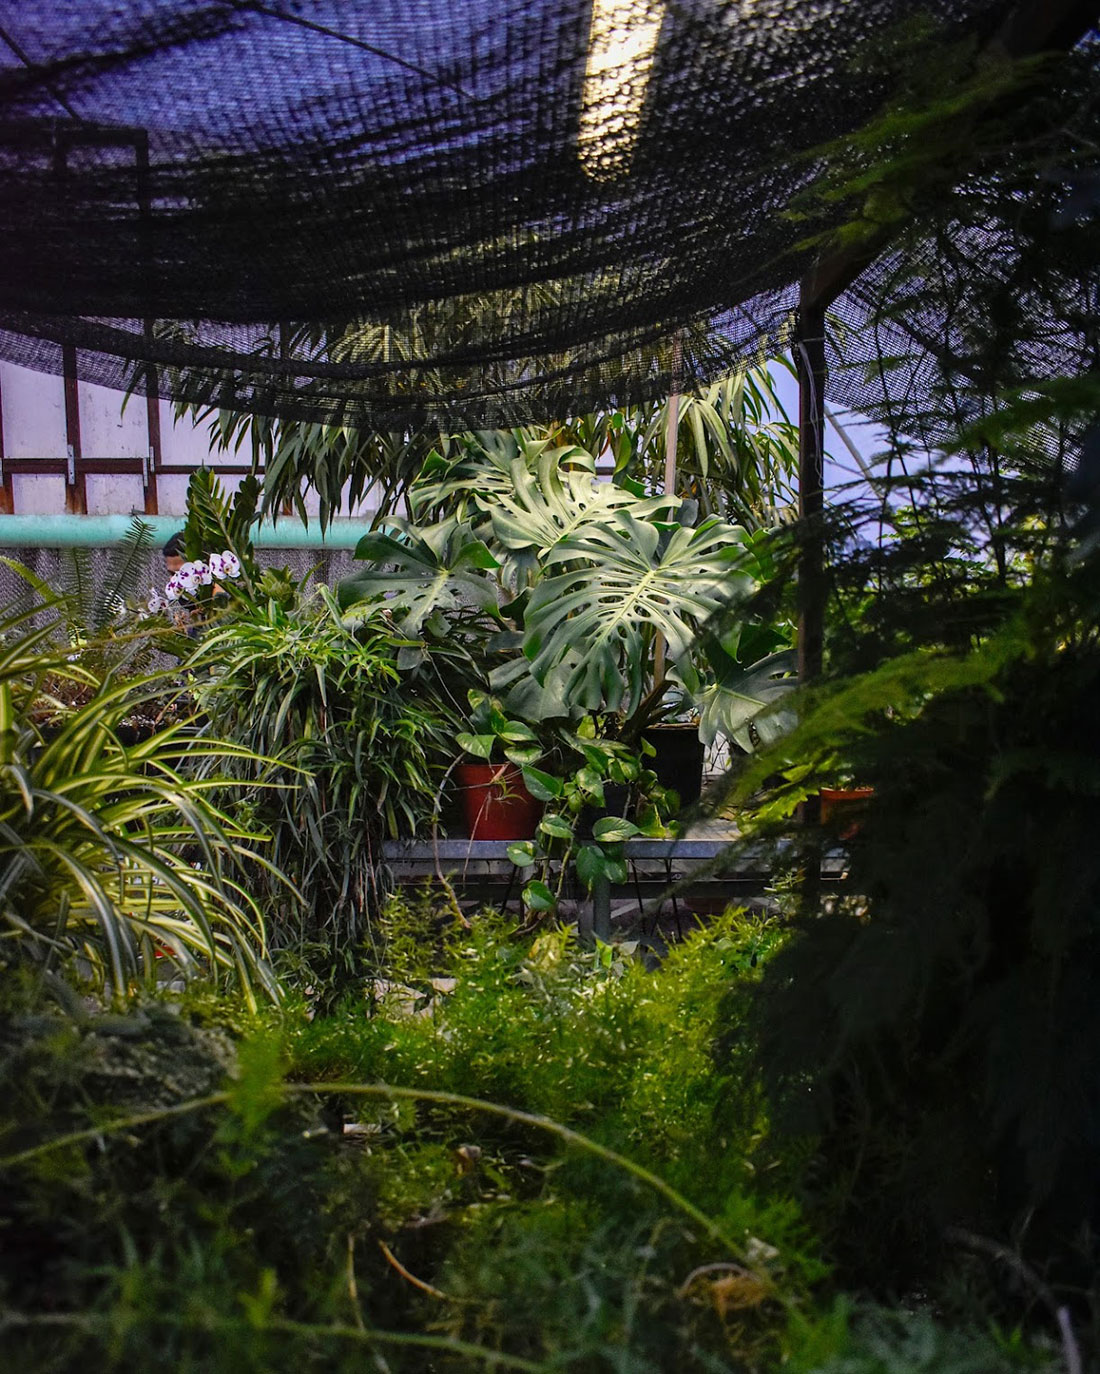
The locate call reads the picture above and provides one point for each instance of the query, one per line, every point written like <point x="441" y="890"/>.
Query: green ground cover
<point x="507" y="1152"/>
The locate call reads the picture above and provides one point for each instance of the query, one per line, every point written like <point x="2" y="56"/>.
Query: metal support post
<point x="810" y="361"/>
<point x="601" y="909"/>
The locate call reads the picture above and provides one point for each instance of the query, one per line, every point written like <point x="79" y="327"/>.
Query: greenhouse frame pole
<point x="810" y="363"/>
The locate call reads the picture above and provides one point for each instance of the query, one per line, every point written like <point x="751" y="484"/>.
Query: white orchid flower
<point x="189" y="578"/>
<point x="231" y="563"/>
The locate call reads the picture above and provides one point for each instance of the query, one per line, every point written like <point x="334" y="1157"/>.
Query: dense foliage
<point x="735" y="448"/>
<point x="112" y="851"/>
<point x="342" y="1197"/>
<point x="344" y="749"/>
<point x="932" y="1022"/>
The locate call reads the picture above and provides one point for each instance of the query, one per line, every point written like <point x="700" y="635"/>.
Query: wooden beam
<point x="152" y="417"/>
<point x="154" y="451"/>
<point x="7" y="486"/>
<point x="59" y="467"/>
<point x="76" y="495"/>
<point x="809" y="350"/>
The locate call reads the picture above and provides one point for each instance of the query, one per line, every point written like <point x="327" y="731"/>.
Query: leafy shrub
<point x="98" y="838"/>
<point x="934" y="1025"/>
<point x="336" y="751"/>
<point x="218" y="1235"/>
<point x="298" y="1213"/>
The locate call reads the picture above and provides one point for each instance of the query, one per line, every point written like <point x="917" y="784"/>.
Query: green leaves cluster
<point x="98" y="837"/>
<point x="565" y="584"/>
<point x="96" y="610"/>
<point x="341" y="1196"/>
<point x="586" y="767"/>
<point x="433" y="578"/>
<point x="349" y="729"/>
<point x="246" y="1234"/>
<point x="493" y="733"/>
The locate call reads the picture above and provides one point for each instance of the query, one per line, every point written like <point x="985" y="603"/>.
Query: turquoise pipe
<point x="101" y="531"/>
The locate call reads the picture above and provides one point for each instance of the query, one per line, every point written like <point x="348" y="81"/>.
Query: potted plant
<point x="843" y="807"/>
<point x="585" y="796"/>
<point x="620" y="603"/>
<point x="585" y="602"/>
<point x="497" y="803"/>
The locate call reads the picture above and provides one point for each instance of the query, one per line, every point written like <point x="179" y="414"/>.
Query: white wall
<point x="34" y="413"/>
<point x="111" y="426"/>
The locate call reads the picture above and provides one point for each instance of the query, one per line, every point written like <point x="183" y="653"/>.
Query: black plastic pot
<point x="678" y="761"/>
<point x="616" y="795"/>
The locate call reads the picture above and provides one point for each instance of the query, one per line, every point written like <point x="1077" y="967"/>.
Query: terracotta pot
<point x="840" y="801"/>
<point x="496" y="802"/>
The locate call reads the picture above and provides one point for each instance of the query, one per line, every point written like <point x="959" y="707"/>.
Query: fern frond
<point x="78" y="592"/>
<point x="216" y="521"/>
<point x="207" y="515"/>
<point x="125" y="573"/>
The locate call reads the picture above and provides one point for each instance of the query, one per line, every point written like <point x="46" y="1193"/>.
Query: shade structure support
<point x="1031" y="27"/>
<point x="810" y="364"/>
<point x="809" y="352"/>
<point x="7" y="487"/>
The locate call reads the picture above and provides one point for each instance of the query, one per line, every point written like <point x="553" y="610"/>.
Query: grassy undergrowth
<point x="560" y="1173"/>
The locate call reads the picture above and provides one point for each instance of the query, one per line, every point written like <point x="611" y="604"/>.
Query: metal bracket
<point x="72" y="465"/>
<point x="147" y="460"/>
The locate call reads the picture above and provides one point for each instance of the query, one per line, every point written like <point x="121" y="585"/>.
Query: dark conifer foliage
<point x="933" y="1020"/>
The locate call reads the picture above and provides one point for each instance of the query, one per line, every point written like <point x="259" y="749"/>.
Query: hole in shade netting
<point x="416" y="211"/>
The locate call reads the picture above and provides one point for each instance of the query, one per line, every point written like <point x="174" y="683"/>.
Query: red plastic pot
<point x="496" y="802"/>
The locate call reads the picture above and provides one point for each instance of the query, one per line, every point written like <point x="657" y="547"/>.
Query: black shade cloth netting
<point x="417" y="211"/>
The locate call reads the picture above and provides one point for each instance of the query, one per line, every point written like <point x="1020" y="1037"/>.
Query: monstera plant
<point x="590" y="606"/>
<point x="581" y="597"/>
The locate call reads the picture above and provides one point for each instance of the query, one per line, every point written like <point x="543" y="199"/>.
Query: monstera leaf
<point x="423" y="573"/>
<point x="621" y="582"/>
<point x="525" y="696"/>
<point x="743" y="695"/>
<point x="458" y="483"/>
<point x="551" y="502"/>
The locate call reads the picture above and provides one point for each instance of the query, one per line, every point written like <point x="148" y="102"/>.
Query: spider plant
<point x="111" y="854"/>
